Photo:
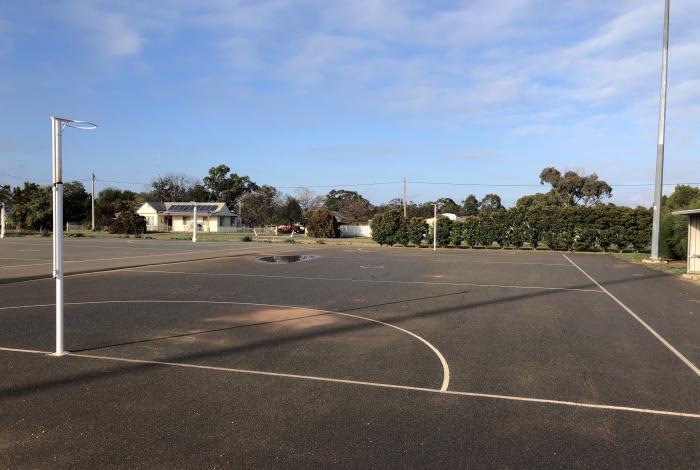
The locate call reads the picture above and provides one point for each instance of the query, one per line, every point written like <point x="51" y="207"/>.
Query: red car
<point x="289" y="229"/>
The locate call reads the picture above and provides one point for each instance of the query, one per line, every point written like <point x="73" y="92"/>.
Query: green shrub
<point x="320" y="241"/>
<point x="456" y="233"/>
<point x="322" y="224"/>
<point x="289" y="240"/>
<point x="128" y="222"/>
<point x="388" y="228"/>
<point x="444" y="226"/>
<point x="417" y="230"/>
<point x="673" y="237"/>
<point x="470" y="232"/>
<point x="246" y="238"/>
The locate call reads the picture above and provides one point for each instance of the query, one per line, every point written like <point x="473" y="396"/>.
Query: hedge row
<point x="599" y="227"/>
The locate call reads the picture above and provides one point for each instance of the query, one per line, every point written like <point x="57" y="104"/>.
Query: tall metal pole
<point x="435" y="227"/>
<point x="658" y="188"/>
<point x="194" y="226"/>
<point x="405" y="210"/>
<point x="93" y="201"/>
<point x="57" y="130"/>
<point x="2" y="221"/>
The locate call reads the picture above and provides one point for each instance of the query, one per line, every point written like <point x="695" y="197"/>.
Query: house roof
<point x="186" y="208"/>
<point x="338" y="216"/>
<point x="687" y="212"/>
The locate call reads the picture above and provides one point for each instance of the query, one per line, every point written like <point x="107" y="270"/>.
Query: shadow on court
<point x="117" y="372"/>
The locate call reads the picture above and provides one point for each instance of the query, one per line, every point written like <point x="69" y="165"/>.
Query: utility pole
<point x="658" y="188"/>
<point x="93" y="202"/>
<point x="405" y="210"/>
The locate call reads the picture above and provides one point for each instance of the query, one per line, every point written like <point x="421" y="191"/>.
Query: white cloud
<point x="113" y="33"/>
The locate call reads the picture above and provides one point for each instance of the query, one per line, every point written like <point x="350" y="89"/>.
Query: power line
<point x="380" y="183"/>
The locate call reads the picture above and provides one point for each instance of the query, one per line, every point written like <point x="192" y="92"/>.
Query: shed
<point x="693" y="239"/>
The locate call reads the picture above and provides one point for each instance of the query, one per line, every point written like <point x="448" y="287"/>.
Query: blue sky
<point x="312" y="92"/>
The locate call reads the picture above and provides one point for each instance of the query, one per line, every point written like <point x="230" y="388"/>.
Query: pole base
<point x="58" y="354"/>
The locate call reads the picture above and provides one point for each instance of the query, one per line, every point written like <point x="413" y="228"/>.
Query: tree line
<point x="600" y="227"/>
<point x="572" y="200"/>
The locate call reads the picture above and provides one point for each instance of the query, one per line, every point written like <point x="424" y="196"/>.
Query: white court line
<point x="663" y="341"/>
<point x="122" y="247"/>
<point x="379" y="281"/>
<point x="544" y="401"/>
<point x="183" y="253"/>
<point x="455" y="259"/>
<point x="30" y="351"/>
<point x="441" y="358"/>
<point x="229" y="254"/>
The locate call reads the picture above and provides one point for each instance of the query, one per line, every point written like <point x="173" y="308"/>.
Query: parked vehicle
<point x="289" y="229"/>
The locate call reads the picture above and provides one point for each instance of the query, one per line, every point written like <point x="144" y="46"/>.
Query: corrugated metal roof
<point x="686" y="212"/>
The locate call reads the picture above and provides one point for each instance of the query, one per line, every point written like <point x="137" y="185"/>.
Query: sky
<point x="478" y="94"/>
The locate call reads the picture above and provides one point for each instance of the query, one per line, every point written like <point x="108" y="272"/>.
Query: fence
<point x="349" y="231"/>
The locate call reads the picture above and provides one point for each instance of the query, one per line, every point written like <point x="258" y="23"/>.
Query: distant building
<point x="452" y="217"/>
<point x="179" y="217"/>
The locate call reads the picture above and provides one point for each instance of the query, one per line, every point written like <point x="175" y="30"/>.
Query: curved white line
<point x="443" y="362"/>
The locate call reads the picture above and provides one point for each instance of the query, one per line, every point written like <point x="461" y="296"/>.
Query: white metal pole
<point x="658" y="187"/>
<point x="194" y="226"/>
<point x="93" y="202"/>
<point x="57" y="125"/>
<point x="435" y="228"/>
<point x="2" y="221"/>
<point x="405" y="207"/>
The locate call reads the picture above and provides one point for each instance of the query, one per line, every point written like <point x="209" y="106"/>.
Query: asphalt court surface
<point x="360" y="357"/>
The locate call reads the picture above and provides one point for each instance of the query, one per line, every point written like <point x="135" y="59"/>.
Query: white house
<point x="452" y="217"/>
<point x="179" y="217"/>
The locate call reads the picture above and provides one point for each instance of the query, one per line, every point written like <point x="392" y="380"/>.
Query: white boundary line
<point x="455" y="259"/>
<point x="543" y="401"/>
<point x="379" y="281"/>
<point x="663" y="341"/>
<point x="30" y="351"/>
<point x="227" y="254"/>
<point x="441" y="358"/>
<point x="182" y="253"/>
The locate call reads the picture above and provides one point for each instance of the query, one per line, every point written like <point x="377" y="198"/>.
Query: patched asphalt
<point x="515" y="325"/>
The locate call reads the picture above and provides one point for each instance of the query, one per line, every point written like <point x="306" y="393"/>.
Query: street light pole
<point x="2" y="221"/>
<point x="405" y="208"/>
<point x="658" y="188"/>
<point x="93" y="202"/>
<point x="435" y="227"/>
<point x="194" y="226"/>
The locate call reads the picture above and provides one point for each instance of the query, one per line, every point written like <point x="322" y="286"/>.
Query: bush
<point x="289" y="240"/>
<point x="673" y="237"/>
<point x="561" y="228"/>
<point x="417" y="230"/>
<point x="470" y="232"/>
<point x="322" y="224"/>
<point x="456" y="233"/>
<point x="444" y="226"/>
<point x="246" y="238"/>
<point x="389" y="228"/>
<point x="128" y="222"/>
